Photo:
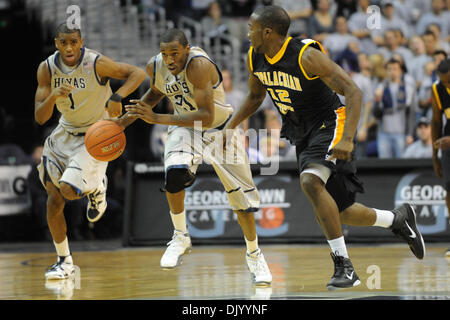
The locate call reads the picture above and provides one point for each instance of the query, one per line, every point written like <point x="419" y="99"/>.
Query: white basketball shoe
<point x="177" y="247"/>
<point x="258" y="268"/>
<point x="62" y="269"/>
<point x="97" y="202"/>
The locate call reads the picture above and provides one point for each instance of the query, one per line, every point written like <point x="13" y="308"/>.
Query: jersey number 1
<point x="72" y="104"/>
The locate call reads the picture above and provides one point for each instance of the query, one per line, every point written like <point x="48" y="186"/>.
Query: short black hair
<point x="64" y="28"/>
<point x="444" y="66"/>
<point x="174" y="35"/>
<point x="429" y="33"/>
<point x="274" y="17"/>
<point x="435" y="53"/>
<point x="393" y="61"/>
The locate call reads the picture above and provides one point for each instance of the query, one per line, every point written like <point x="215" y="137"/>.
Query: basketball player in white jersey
<point x="192" y="82"/>
<point x="76" y="80"/>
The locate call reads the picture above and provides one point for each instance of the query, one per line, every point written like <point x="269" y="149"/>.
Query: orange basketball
<point x="105" y="140"/>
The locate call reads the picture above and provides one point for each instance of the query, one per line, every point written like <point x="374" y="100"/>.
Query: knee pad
<point x="178" y="179"/>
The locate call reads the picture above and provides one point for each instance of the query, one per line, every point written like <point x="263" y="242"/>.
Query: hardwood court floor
<point x="220" y="272"/>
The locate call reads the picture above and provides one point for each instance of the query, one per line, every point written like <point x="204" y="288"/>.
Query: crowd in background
<point x="392" y="57"/>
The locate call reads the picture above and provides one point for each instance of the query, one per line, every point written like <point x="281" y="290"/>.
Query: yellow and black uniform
<point x="442" y="98"/>
<point x="312" y="114"/>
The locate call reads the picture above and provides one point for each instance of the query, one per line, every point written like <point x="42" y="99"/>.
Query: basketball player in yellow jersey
<point x="302" y="83"/>
<point x="193" y="83"/>
<point x="75" y="79"/>
<point x="440" y="131"/>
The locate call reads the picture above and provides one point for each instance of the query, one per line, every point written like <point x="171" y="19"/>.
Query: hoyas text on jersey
<point x="79" y="83"/>
<point x="172" y="88"/>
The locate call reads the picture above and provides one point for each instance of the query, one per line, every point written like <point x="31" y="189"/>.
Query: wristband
<point x="116" y="97"/>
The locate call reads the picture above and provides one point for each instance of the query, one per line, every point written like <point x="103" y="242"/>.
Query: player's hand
<point x="361" y="136"/>
<point x="343" y="150"/>
<point x="63" y="91"/>
<point x="442" y="143"/>
<point x="141" y="110"/>
<point x="114" y="108"/>
<point x="437" y="165"/>
<point x="120" y="121"/>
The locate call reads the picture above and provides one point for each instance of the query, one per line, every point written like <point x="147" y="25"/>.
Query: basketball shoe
<point x="344" y="274"/>
<point x="177" y="247"/>
<point x="404" y="226"/>
<point x="62" y="269"/>
<point x="258" y="268"/>
<point x="97" y="202"/>
<point x="447" y="254"/>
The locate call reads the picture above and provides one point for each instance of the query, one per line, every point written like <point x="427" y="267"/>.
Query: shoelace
<point x="176" y="241"/>
<point x="260" y="266"/>
<point x="93" y="200"/>
<point x="56" y="266"/>
<point x="259" y="263"/>
<point x="93" y="196"/>
<point x="338" y="264"/>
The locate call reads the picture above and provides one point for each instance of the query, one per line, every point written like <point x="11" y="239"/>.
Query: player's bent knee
<point x="68" y="192"/>
<point x="310" y="183"/>
<point x="345" y="217"/>
<point x="178" y="179"/>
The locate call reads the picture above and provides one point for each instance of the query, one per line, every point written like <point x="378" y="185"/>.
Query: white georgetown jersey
<point x="180" y="90"/>
<point x="86" y="102"/>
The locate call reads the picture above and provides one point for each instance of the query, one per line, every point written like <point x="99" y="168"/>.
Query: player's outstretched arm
<point x="316" y="63"/>
<point x="151" y="98"/>
<point x="133" y="76"/>
<point x="45" y="97"/>
<point x="252" y="102"/>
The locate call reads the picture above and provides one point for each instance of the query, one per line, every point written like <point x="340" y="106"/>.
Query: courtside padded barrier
<point x="285" y="215"/>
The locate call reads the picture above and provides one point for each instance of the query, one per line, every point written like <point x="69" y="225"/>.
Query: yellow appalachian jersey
<point x="442" y="98"/>
<point x="289" y="86"/>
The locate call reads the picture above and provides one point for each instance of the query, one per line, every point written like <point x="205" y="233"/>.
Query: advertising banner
<point x="285" y="214"/>
<point x="14" y="196"/>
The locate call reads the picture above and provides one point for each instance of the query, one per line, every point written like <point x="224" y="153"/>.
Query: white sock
<point x="338" y="247"/>
<point x="179" y="221"/>
<point x="62" y="250"/>
<point x="252" y="245"/>
<point x="384" y="218"/>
